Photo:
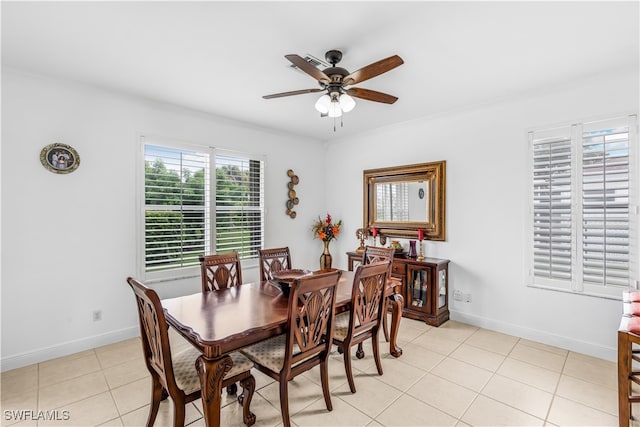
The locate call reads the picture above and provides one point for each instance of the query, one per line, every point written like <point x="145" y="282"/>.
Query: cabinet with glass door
<point x="425" y="286"/>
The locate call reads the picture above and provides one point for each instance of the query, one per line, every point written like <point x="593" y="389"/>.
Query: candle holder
<point x="361" y="235"/>
<point x="420" y="237"/>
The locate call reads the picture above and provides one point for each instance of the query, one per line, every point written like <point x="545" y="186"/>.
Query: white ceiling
<point x="221" y="57"/>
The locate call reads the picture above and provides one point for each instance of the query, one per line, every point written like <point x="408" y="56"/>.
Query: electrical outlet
<point x="97" y="315"/>
<point x="467" y="297"/>
<point x="457" y="295"/>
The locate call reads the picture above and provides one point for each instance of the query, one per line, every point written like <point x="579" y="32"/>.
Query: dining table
<point x="220" y="322"/>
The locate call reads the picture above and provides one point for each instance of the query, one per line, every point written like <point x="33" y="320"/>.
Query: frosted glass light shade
<point x="322" y="105"/>
<point x="347" y="103"/>
<point x="334" y="109"/>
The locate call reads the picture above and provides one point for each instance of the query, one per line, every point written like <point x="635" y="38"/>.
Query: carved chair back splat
<point x="220" y="271"/>
<point x="273" y="260"/>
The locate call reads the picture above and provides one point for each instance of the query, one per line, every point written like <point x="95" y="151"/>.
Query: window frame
<point x="576" y="284"/>
<point x="191" y="271"/>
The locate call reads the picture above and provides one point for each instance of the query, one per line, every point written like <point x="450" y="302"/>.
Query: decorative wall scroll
<point x="59" y="158"/>
<point x="293" y="198"/>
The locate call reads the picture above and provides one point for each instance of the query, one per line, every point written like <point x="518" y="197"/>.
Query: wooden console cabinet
<point x="425" y="286"/>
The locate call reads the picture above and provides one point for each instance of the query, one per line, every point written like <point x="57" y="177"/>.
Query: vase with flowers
<point x="326" y="230"/>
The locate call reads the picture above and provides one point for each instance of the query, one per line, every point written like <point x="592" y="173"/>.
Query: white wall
<point x="69" y="241"/>
<point x="485" y="149"/>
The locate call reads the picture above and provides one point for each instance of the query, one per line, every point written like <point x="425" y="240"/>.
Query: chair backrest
<point x="153" y="332"/>
<point x="272" y="260"/>
<point x="375" y="254"/>
<point x="310" y="319"/>
<point x="220" y="271"/>
<point x="367" y="297"/>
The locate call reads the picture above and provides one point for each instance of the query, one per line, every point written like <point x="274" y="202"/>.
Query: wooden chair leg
<point x="385" y="326"/>
<point x="284" y="402"/>
<point x="376" y="352"/>
<point x="324" y="377"/>
<point x="156" y="396"/>
<point x="232" y="389"/>
<point x="359" y="352"/>
<point x="178" y="413"/>
<point x="248" y="388"/>
<point x="347" y="368"/>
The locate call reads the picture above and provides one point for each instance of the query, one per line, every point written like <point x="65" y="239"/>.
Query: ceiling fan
<point x="336" y="82"/>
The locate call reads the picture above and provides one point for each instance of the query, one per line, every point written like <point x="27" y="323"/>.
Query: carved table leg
<point x="248" y="387"/>
<point x="212" y="372"/>
<point x="397" y="302"/>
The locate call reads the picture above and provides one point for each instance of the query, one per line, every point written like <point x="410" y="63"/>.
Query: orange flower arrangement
<point x="325" y="230"/>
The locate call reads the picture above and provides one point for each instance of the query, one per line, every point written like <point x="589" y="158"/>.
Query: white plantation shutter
<point x="176" y="220"/>
<point x="239" y="205"/>
<point x="583" y="215"/>
<point x="188" y="212"/>
<point x="552" y="221"/>
<point x="605" y="204"/>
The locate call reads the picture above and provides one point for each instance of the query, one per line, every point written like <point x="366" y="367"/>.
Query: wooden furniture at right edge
<point x="425" y="286"/>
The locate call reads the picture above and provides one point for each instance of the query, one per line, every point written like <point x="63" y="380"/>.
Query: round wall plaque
<point x="60" y="158"/>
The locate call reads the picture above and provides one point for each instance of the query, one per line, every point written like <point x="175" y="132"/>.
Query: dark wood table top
<point x="227" y="320"/>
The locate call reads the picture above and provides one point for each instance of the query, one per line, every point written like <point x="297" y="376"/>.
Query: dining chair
<point x="176" y="373"/>
<point x="273" y="260"/>
<point x="220" y="271"/>
<point x="307" y="341"/>
<point x="373" y="254"/>
<point x="364" y="318"/>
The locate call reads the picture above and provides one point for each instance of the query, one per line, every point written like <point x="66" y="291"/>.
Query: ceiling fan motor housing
<point x="333" y="57"/>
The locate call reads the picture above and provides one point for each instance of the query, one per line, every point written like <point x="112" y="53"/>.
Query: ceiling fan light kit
<point x="333" y="81"/>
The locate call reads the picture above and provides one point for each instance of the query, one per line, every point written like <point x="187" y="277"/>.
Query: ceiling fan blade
<point x="293" y="92"/>
<point x="299" y="62"/>
<point x="371" y="95"/>
<point x="373" y="70"/>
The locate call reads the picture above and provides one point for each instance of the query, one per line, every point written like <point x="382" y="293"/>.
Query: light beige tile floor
<point x="454" y="375"/>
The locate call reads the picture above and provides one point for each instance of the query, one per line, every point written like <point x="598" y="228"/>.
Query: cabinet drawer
<point x="398" y="269"/>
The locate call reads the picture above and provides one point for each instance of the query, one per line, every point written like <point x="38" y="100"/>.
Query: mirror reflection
<point x="402" y="201"/>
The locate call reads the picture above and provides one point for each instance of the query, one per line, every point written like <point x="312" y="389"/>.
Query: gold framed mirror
<point x="400" y="200"/>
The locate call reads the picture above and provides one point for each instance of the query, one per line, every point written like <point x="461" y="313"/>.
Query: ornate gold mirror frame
<point x="401" y="200"/>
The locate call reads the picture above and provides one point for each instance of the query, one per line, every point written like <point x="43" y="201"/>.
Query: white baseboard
<point x="64" y="349"/>
<point x="568" y="343"/>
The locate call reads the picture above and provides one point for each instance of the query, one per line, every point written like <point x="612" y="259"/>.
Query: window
<point x="584" y="203"/>
<point x="392" y="201"/>
<point x="189" y="213"/>
<point x="239" y="205"/>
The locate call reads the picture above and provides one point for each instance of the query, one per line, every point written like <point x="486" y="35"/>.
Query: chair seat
<point x="186" y="375"/>
<point x="270" y="353"/>
<point x="341" y="326"/>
